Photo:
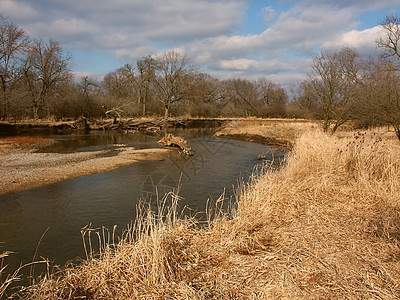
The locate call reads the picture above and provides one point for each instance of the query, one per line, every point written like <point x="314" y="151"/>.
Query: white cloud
<point x="92" y="75"/>
<point x="298" y="32"/>
<point x="237" y="64"/>
<point x="268" y="14"/>
<point x="167" y="21"/>
<point x="74" y="33"/>
<point x="364" y="41"/>
<point x="295" y="31"/>
<point x="205" y="29"/>
<point x="133" y="53"/>
<point x="17" y="12"/>
<point x="302" y="29"/>
<point x="363" y="5"/>
<point x="185" y="20"/>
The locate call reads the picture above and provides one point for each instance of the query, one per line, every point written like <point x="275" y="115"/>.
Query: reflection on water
<point x="95" y="141"/>
<point x="110" y="198"/>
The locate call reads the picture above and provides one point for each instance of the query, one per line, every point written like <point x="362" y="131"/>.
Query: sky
<point x="224" y="38"/>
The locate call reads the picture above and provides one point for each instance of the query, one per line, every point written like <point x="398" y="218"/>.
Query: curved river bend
<point x="110" y="198"/>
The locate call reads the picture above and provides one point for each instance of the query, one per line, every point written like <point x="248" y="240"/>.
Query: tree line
<point x="36" y="82"/>
<point x="343" y="86"/>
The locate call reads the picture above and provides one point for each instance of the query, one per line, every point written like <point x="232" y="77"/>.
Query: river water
<point x="59" y="211"/>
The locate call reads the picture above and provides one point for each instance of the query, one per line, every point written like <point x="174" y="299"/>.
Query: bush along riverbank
<point x="326" y="225"/>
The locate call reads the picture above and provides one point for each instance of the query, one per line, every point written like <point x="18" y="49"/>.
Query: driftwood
<point x="176" y="141"/>
<point x="132" y="125"/>
<point x="82" y="124"/>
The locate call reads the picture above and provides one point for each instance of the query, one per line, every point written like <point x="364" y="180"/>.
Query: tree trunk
<point x="326" y="125"/>
<point x="35" y="109"/>
<point x="397" y="130"/>
<point x="38" y="100"/>
<point x="5" y="100"/>
<point x="5" y="105"/>
<point x="139" y="103"/>
<point x="144" y="109"/>
<point x="166" y="112"/>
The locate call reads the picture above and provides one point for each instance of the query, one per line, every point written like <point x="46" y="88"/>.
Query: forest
<point x="37" y="83"/>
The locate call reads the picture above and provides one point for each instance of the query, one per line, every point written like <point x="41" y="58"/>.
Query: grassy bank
<point x="280" y="133"/>
<point x="327" y="225"/>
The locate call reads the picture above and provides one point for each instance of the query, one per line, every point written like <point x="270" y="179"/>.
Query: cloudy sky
<point x="226" y="38"/>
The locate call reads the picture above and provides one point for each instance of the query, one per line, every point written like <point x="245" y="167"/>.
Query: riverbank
<point x="326" y="225"/>
<point x="22" y="168"/>
<point x="21" y="165"/>
<point x="282" y="134"/>
<point x="149" y="125"/>
<point x="279" y="133"/>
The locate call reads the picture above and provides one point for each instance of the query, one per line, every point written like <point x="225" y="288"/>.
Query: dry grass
<point x="327" y="225"/>
<point x="281" y="133"/>
<point x="333" y="215"/>
<point x="17" y="143"/>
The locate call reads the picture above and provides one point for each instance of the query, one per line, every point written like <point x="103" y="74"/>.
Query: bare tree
<point x="46" y="66"/>
<point x="244" y="96"/>
<point x="304" y="100"/>
<point x="85" y="96"/>
<point x="379" y="102"/>
<point x="390" y="41"/>
<point x="171" y="67"/>
<point x="119" y="84"/>
<point x="272" y="98"/>
<point x="85" y="85"/>
<point x="146" y="75"/>
<point x="201" y="95"/>
<point x="388" y="74"/>
<point x="331" y="85"/>
<point x="13" y="44"/>
<point x="389" y="104"/>
<point x="121" y="92"/>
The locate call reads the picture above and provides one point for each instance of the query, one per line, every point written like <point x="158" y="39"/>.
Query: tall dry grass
<point x="326" y="225"/>
<point x="9" y="288"/>
<point x="333" y="218"/>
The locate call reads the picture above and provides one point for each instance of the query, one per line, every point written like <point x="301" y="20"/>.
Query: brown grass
<point x="25" y="140"/>
<point x="327" y="225"/>
<point x="281" y="133"/>
<point x="18" y="143"/>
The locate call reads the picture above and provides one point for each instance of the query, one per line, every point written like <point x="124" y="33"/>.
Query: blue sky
<point x="226" y="38"/>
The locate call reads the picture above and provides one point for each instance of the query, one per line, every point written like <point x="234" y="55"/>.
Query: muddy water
<point x="60" y="210"/>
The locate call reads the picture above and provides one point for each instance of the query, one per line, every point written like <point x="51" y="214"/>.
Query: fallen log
<point x="176" y="141"/>
<point x="144" y="123"/>
<point x="82" y="124"/>
<point x="154" y="129"/>
<point x="134" y="125"/>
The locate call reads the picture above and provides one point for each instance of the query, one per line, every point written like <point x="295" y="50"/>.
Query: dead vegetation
<point x="280" y="133"/>
<point x="325" y="226"/>
<point x="171" y="140"/>
<point x="18" y="143"/>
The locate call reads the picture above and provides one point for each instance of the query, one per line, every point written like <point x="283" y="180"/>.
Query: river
<point x="59" y="211"/>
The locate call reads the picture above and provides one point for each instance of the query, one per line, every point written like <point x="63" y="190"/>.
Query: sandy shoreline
<point x="22" y="169"/>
